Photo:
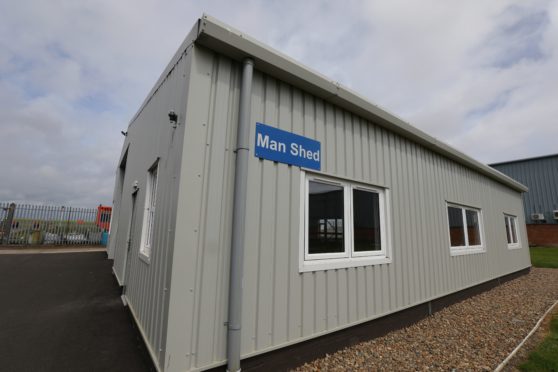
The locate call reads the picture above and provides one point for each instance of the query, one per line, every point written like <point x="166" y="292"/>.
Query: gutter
<point x="236" y="45"/>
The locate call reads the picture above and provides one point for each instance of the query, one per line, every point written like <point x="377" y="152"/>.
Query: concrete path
<point x="62" y="312"/>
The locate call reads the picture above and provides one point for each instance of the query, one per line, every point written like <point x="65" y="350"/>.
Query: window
<point x="511" y="231"/>
<point x="344" y="224"/>
<point x="326" y="231"/>
<point x="465" y="229"/>
<point x="366" y="222"/>
<point x="149" y="215"/>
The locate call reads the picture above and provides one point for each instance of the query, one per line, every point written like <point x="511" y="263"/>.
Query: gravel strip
<point x="476" y="334"/>
<point x="521" y="356"/>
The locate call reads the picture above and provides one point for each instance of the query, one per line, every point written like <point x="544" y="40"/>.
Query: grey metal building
<point x="383" y="218"/>
<point x="540" y="174"/>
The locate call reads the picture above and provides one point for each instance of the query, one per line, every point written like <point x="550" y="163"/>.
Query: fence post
<point x="7" y="228"/>
<point x="68" y="224"/>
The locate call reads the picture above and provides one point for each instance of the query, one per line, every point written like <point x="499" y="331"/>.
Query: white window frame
<point x="347" y="258"/>
<point x="466" y="249"/>
<point x="381" y="197"/>
<point x="150" y="207"/>
<point x="512" y="220"/>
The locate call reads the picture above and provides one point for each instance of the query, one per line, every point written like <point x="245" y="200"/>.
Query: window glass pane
<point x="513" y="232"/>
<point x="366" y="221"/>
<point x="151" y="199"/>
<point x="457" y="232"/>
<point x="508" y="233"/>
<point x="325" y="218"/>
<point x="473" y="229"/>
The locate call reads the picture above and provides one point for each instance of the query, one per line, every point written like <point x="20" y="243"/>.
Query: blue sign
<point x="286" y="147"/>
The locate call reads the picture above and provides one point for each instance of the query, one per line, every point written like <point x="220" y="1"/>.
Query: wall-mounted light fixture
<point x="173" y="118"/>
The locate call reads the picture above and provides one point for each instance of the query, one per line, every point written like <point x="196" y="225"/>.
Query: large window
<point x="511" y="231"/>
<point x="465" y="229"/>
<point x="149" y="213"/>
<point x="344" y="224"/>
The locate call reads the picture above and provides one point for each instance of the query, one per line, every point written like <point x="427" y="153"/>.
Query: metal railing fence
<point x="31" y="224"/>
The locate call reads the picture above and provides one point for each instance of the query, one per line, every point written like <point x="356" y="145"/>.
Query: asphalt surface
<point x="62" y="312"/>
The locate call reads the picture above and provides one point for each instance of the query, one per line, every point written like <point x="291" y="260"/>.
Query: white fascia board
<point x="224" y="39"/>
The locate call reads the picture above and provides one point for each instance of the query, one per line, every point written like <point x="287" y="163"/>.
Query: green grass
<point x="545" y="356"/>
<point x="544" y="256"/>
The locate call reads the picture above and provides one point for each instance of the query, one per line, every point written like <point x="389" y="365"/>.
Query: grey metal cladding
<point x="541" y="176"/>
<point x="280" y="305"/>
<point x="151" y="138"/>
<point x="197" y="311"/>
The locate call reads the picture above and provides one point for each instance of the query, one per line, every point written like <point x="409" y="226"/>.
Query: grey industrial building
<point x="540" y="175"/>
<point x="260" y="207"/>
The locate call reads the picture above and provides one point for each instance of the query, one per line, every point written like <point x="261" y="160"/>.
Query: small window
<point x="465" y="230"/>
<point x="457" y="232"/>
<point x="473" y="227"/>
<point x="326" y="210"/>
<point x="367" y="232"/>
<point x="344" y="224"/>
<point x="149" y="213"/>
<point x="511" y="231"/>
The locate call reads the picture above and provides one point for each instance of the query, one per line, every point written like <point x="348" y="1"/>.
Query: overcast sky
<point x="479" y="75"/>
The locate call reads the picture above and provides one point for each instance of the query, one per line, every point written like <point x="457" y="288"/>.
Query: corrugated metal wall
<point x="151" y="137"/>
<point x="197" y="310"/>
<point x="541" y="176"/>
<point x="281" y="305"/>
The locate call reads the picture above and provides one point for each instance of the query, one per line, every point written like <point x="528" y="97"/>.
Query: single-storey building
<point x="540" y="203"/>
<point x="261" y="208"/>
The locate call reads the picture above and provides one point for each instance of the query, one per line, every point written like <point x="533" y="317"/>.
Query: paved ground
<point x="62" y="312"/>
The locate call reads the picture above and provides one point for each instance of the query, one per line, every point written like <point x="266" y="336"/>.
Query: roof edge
<point x="182" y="50"/>
<point x="524" y="159"/>
<point x="235" y="44"/>
<point x="224" y="39"/>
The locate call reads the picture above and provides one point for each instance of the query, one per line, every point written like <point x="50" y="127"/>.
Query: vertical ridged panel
<point x="151" y="137"/>
<point x="541" y="177"/>
<point x="281" y="305"/>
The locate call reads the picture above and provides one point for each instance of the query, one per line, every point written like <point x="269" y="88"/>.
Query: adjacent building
<point x="540" y="175"/>
<point x="260" y="207"/>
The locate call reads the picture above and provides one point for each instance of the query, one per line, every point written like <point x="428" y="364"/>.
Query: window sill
<point x="465" y="251"/>
<point x="341" y="263"/>
<point x="514" y="246"/>
<point x="145" y="258"/>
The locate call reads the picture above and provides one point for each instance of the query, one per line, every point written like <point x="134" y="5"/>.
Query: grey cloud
<point x="518" y="38"/>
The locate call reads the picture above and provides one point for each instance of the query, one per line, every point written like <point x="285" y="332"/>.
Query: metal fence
<point x="27" y="224"/>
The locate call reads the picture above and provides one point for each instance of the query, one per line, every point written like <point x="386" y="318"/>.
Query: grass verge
<point x="544" y="256"/>
<point x="545" y="356"/>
